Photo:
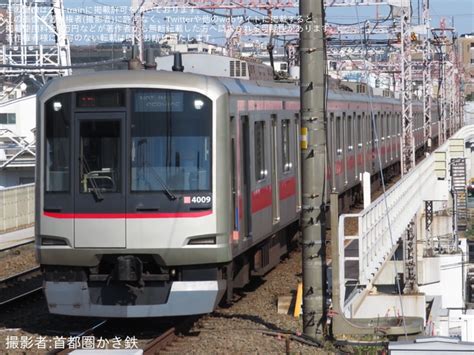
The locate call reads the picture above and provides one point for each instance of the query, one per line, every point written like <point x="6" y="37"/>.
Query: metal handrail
<point x="402" y="200"/>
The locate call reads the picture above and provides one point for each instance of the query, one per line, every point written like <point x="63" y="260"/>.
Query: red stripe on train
<point x="127" y="215"/>
<point x="261" y="198"/>
<point x="351" y="163"/>
<point x="287" y="188"/>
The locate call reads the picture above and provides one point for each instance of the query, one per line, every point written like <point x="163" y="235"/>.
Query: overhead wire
<point x="75" y="66"/>
<point x="382" y="178"/>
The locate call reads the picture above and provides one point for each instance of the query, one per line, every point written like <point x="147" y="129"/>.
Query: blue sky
<point x="461" y="11"/>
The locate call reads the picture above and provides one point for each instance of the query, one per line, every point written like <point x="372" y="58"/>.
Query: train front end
<point x="130" y="221"/>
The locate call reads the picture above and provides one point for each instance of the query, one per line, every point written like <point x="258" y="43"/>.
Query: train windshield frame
<point x="162" y="146"/>
<point x="171" y="135"/>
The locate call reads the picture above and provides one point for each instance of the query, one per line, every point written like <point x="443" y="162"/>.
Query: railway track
<point x="20" y="285"/>
<point x="170" y="340"/>
<point x="88" y="332"/>
<point x="167" y="341"/>
<point x="161" y="342"/>
<point x="14" y="246"/>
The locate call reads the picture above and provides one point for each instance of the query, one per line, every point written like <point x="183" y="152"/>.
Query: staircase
<point x="458" y="189"/>
<point x="15" y="151"/>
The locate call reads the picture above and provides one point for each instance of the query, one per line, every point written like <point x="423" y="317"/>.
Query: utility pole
<point x="408" y="140"/>
<point x="427" y="80"/>
<point x="313" y="156"/>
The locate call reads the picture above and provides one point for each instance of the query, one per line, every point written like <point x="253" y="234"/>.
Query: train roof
<point x="208" y="85"/>
<point x="131" y="79"/>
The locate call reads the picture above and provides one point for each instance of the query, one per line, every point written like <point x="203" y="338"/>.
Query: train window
<point x="330" y="135"/>
<point x="285" y="146"/>
<point x="338" y="135"/>
<point x="344" y="132"/>
<point x="259" y="144"/>
<point x="359" y="131"/>
<point x="375" y="128"/>
<point x="57" y="149"/>
<point x="354" y="130"/>
<point x="383" y="122"/>
<point x="99" y="156"/>
<point x="349" y="132"/>
<point x="100" y="98"/>
<point x="399" y="124"/>
<point x="395" y="121"/>
<point x="171" y="141"/>
<point x="366" y="130"/>
<point x="374" y="125"/>
<point x="389" y="124"/>
<point x="379" y="126"/>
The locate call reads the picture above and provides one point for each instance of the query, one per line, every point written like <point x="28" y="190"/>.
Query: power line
<point x="382" y="178"/>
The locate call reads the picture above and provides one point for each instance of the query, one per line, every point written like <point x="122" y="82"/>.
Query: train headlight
<point x="52" y="241"/>
<point x="198" y="104"/>
<point x="202" y="241"/>
<point x="57" y="106"/>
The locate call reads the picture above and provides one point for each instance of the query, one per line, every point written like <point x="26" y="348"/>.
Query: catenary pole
<point x="313" y="150"/>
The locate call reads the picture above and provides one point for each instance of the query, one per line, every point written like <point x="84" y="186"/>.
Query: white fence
<point x="17" y="207"/>
<point x="402" y="201"/>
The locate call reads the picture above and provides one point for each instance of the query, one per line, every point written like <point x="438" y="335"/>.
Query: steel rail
<point x="161" y="342"/>
<point x="12" y="281"/>
<point x="17" y="245"/>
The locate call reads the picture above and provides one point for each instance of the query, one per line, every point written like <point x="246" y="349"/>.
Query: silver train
<point x="160" y="192"/>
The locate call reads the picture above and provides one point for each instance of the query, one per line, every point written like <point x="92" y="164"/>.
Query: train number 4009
<point x="198" y="199"/>
<point x="201" y="199"/>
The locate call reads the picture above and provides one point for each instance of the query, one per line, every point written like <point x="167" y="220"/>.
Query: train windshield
<point x="170" y="141"/>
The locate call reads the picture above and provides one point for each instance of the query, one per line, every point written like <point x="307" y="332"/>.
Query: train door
<point x="99" y="185"/>
<point x="374" y="140"/>
<point x="260" y="167"/>
<point x="349" y="150"/>
<point x="330" y="138"/>
<point x="344" y="131"/>
<point x="275" y="171"/>
<point x="390" y="134"/>
<point x="246" y="225"/>
<point x="298" y="162"/>
<point x="338" y="162"/>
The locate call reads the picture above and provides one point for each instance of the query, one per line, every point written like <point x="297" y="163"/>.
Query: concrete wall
<point x="428" y="271"/>
<point x="384" y="305"/>
<point x="12" y="177"/>
<point x="17" y="207"/>
<point x="450" y="286"/>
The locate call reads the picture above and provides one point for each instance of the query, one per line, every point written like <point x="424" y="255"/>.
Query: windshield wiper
<point x="165" y="187"/>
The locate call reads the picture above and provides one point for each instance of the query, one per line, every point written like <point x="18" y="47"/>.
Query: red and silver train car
<point x="362" y="128"/>
<point x="158" y="192"/>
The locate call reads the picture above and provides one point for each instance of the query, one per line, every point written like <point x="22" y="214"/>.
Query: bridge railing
<point x="402" y="201"/>
<point x="17" y="207"/>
